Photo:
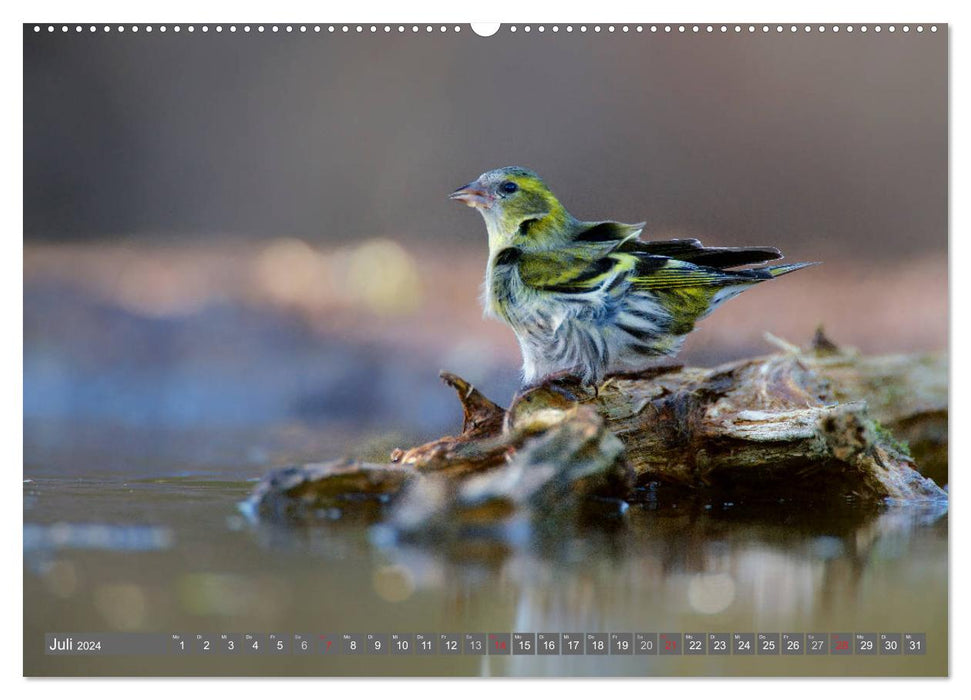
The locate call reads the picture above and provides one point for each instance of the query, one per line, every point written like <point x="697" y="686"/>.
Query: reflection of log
<point x="794" y="426"/>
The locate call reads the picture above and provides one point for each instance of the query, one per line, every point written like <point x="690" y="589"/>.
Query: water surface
<point x="160" y="545"/>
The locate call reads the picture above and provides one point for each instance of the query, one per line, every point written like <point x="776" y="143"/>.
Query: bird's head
<point x="518" y="208"/>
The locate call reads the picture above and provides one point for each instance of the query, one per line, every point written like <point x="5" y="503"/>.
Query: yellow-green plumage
<point x="591" y="298"/>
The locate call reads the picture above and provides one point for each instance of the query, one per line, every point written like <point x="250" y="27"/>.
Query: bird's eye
<point x="509" y="187"/>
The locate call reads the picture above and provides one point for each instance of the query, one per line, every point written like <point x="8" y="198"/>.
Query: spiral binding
<point x="510" y="29"/>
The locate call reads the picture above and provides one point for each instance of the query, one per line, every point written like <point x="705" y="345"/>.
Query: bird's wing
<point x="612" y="232"/>
<point x="625" y="238"/>
<point x="574" y="270"/>
<point x="654" y="272"/>
<point x="580" y="269"/>
<point x="691" y="250"/>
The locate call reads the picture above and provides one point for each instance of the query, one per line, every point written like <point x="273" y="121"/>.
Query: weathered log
<point x="477" y="448"/>
<point x="771" y="426"/>
<point x="551" y="472"/>
<point x="796" y="425"/>
<point x="312" y="492"/>
<point x="906" y="394"/>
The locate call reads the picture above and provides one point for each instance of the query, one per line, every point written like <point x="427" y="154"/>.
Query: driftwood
<point x="816" y="426"/>
<point x="905" y="394"/>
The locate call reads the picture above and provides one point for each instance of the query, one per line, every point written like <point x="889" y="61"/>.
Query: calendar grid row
<point x="561" y="643"/>
<point x="495" y="644"/>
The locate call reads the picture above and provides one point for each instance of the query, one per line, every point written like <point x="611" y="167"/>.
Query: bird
<point x="590" y="299"/>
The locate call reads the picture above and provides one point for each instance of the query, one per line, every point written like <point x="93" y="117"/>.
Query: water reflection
<point x="766" y="562"/>
<point x="652" y="568"/>
<point x="125" y="538"/>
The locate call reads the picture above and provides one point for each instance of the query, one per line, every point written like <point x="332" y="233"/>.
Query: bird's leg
<point x="646" y="373"/>
<point x="564" y="376"/>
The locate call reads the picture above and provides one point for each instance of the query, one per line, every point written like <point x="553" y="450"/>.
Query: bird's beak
<point x="473" y="195"/>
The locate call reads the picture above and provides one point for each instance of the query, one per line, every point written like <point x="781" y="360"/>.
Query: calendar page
<point x="534" y="350"/>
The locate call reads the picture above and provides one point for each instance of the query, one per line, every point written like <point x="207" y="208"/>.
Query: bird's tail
<point x="779" y="270"/>
<point x="746" y="280"/>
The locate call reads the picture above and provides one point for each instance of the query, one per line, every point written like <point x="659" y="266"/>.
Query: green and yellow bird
<point x="590" y="299"/>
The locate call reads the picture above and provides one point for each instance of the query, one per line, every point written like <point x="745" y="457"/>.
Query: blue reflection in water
<point x="124" y="538"/>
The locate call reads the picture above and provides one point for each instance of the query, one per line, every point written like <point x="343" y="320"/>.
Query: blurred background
<point x="239" y="254"/>
<point x="240" y="229"/>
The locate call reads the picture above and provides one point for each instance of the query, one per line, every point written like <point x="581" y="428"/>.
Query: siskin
<point x="589" y="299"/>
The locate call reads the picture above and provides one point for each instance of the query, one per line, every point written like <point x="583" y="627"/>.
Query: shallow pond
<point x="116" y="543"/>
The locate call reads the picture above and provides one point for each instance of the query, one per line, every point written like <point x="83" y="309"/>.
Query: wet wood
<point x="311" y="492"/>
<point x="814" y="425"/>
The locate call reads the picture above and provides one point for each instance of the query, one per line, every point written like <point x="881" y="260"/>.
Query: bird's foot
<point x="565" y="383"/>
